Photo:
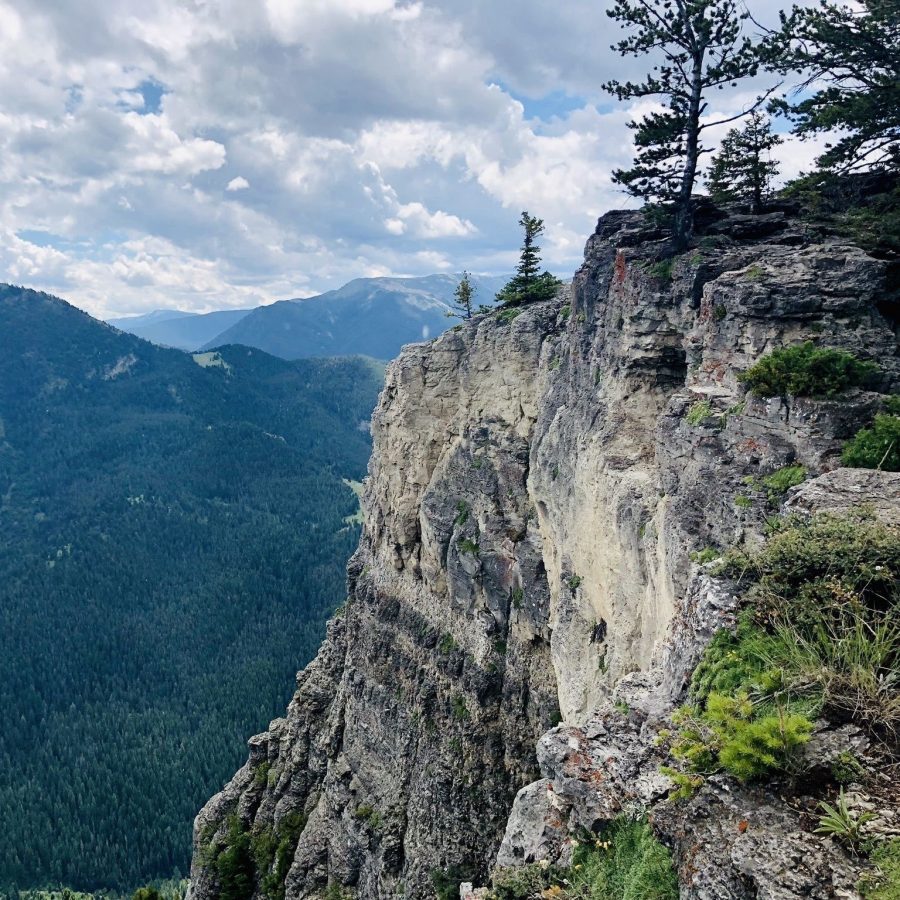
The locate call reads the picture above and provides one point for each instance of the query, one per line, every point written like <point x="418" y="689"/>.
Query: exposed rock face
<point x="535" y="492"/>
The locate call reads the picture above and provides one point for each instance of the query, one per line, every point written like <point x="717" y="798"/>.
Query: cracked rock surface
<point x="539" y="482"/>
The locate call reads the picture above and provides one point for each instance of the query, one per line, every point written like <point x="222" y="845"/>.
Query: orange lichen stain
<point x="619" y="267"/>
<point x="743" y="825"/>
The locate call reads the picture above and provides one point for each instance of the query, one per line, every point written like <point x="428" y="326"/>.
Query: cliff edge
<point x="523" y="605"/>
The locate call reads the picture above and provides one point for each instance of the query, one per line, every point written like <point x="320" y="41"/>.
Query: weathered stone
<point x="844" y="489"/>
<point x="538" y="485"/>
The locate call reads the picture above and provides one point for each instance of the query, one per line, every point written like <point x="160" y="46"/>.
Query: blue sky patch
<point x="555" y="105"/>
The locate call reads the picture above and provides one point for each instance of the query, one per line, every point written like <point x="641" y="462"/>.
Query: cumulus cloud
<point x="379" y="137"/>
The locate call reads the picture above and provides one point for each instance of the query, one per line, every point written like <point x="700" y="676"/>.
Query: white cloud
<point x="380" y="136"/>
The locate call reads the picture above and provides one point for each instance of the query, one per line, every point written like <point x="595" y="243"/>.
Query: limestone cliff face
<point x="535" y="492"/>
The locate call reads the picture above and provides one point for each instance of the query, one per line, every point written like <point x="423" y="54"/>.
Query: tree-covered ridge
<point x="174" y="540"/>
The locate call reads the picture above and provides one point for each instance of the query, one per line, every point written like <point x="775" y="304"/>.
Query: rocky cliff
<point x="523" y="604"/>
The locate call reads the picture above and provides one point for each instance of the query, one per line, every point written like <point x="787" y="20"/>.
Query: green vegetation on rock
<point x="820" y="635"/>
<point x="806" y="370"/>
<point x="876" y="447"/>
<point x="882" y="882"/>
<point x="529" y="284"/>
<point x="624" y="860"/>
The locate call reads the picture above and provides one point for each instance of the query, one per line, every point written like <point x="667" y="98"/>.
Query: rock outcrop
<point x="539" y="481"/>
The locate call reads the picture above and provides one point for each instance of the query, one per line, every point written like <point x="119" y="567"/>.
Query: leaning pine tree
<point x="529" y="283"/>
<point x="743" y="170"/>
<point x="462" y="298"/>
<point x="702" y="49"/>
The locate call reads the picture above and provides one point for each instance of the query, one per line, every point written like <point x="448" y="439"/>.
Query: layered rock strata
<point x="539" y="480"/>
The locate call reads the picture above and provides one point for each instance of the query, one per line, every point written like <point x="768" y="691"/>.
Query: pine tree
<point x="703" y="49"/>
<point x="462" y="298"/>
<point x="527" y="285"/>
<point x="743" y="170"/>
<point x="855" y="53"/>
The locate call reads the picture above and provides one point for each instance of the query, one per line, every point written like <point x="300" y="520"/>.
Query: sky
<point x="207" y="154"/>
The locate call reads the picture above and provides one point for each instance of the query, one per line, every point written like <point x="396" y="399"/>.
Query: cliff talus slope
<point x="539" y="480"/>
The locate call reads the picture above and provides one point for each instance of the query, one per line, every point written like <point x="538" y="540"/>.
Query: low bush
<point x="806" y="370"/>
<point x="781" y="481"/>
<point x="623" y="862"/>
<point x="734" y="734"/>
<point x="698" y="413"/>
<point x="446" y="882"/>
<point x="883" y="881"/>
<point x="820" y="635"/>
<point x="876" y="447"/>
<point x="234" y="863"/>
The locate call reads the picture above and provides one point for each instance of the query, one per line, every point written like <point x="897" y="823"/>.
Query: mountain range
<point x="179" y="329"/>
<point x="368" y="316"/>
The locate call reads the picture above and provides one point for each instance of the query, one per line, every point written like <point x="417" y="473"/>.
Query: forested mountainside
<point x="174" y="534"/>
<point x="623" y="615"/>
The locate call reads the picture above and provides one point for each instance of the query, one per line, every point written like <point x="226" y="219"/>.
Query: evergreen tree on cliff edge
<point x="527" y="285"/>
<point x="743" y="170"/>
<point x="702" y="49"/>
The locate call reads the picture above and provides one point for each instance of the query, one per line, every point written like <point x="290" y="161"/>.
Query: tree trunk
<point x="682" y="226"/>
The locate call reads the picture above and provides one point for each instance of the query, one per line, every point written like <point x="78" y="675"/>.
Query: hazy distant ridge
<point x="368" y="316"/>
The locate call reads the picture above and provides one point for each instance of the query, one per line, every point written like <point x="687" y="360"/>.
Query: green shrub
<point x="273" y="850"/>
<point x="235" y="866"/>
<point x="541" y="287"/>
<point x="662" y="270"/>
<point x="820" y="634"/>
<point x="507" y="314"/>
<point x="808" y="566"/>
<point x="446" y="882"/>
<point x="462" y="513"/>
<point x="781" y="481"/>
<point x="883" y="882"/>
<point x="146" y="893"/>
<point x="448" y="643"/>
<point x="698" y="413"/>
<point x="623" y="862"/>
<point x="458" y="708"/>
<point x="733" y="662"/>
<point x="752" y="745"/>
<point x="704" y="556"/>
<point x="805" y="370"/>
<point x="877" y="447"/>
<point x="824" y="617"/>
<point x="846" y="768"/>
<point x="746" y="739"/>
<point x="754" y="272"/>
<point x="526" y="882"/>
<point x="467" y="545"/>
<point x="367" y="813"/>
<point x="574" y="582"/>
